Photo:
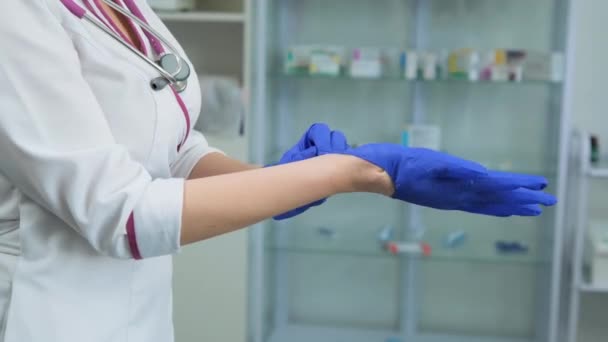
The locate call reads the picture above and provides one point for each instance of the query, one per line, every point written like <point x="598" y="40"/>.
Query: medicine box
<point x="366" y="63"/>
<point x="597" y="254"/>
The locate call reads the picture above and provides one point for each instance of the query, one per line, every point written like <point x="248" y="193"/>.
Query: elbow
<point x="117" y="242"/>
<point x="137" y="242"/>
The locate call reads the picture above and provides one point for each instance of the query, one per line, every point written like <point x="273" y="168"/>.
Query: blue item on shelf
<point x="511" y="247"/>
<point x="327" y="232"/>
<point x="455" y="239"/>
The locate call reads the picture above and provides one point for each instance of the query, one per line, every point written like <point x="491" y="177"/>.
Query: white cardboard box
<point x="597" y="254"/>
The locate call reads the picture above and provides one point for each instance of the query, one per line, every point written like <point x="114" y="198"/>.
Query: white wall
<point x="590" y="113"/>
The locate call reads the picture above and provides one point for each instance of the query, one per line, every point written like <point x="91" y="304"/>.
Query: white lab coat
<point x="90" y="178"/>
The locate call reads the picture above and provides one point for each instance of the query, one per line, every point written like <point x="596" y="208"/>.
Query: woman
<point x="102" y="178"/>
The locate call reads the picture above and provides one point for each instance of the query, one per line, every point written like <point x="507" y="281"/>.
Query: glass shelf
<point x="396" y="78"/>
<point x="200" y="16"/>
<point x="478" y="247"/>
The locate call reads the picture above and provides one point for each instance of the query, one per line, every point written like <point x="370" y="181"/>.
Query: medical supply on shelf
<point x="515" y="64"/>
<point x="455" y="239"/>
<point x="366" y="63"/>
<point x="314" y="60"/>
<point x="172" y="5"/>
<point x="442" y="64"/>
<point x="464" y="64"/>
<point x="596" y="257"/>
<point x="326" y="61"/>
<point x="595" y="149"/>
<point x="297" y="59"/>
<point x="410" y="65"/>
<point x="386" y="234"/>
<point x="413" y="248"/>
<point x="426" y="136"/>
<point x="429" y="66"/>
<point x="511" y="247"/>
<point x="543" y="66"/>
<point x="488" y="62"/>
<point x="499" y="69"/>
<point x="497" y="65"/>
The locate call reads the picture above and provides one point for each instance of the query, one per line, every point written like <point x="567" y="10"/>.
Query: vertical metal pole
<point x="579" y="237"/>
<point x="565" y="134"/>
<point x="285" y="94"/>
<point x="257" y="10"/>
<point x="410" y="275"/>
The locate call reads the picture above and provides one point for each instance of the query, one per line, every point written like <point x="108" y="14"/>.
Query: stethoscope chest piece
<point x="180" y="72"/>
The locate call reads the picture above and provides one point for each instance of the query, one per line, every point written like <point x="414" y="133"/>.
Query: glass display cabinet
<point x="481" y="79"/>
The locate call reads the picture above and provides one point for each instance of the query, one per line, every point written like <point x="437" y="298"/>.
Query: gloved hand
<point x="318" y="140"/>
<point x="437" y="180"/>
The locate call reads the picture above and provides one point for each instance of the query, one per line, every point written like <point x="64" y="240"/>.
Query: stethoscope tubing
<point x="81" y="13"/>
<point x="119" y="39"/>
<point x="151" y="30"/>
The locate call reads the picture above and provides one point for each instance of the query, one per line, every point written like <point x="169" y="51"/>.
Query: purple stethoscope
<point x="174" y="70"/>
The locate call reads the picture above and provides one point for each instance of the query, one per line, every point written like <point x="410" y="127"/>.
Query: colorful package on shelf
<point x="297" y="59"/>
<point x="410" y="64"/>
<point x="314" y="60"/>
<point x="464" y="64"/>
<point x="327" y="61"/>
<point x="543" y="66"/>
<point x="518" y="65"/>
<point x="367" y="63"/>
<point x="428" y="65"/>
<point x="494" y="66"/>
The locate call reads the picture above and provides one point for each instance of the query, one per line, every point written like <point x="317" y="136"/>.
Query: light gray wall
<point x="590" y="113"/>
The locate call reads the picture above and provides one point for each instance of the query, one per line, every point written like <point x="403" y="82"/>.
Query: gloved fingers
<point x="520" y="196"/>
<point x="500" y="181"/>
<point x="318" y="135"/>
<point x="308" y="153"/>
<point x="338" y="142"/>
<point x="505" y="210"/>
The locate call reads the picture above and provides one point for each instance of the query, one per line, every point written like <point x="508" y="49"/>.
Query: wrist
<point x="354" y="174"/>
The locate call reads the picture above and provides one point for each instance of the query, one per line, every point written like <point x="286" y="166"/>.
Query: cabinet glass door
<point x="327" y="275"/>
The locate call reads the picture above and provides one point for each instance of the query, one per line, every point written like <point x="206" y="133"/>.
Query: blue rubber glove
<point x="437" y="180"/>
<point x="319" y="139"/>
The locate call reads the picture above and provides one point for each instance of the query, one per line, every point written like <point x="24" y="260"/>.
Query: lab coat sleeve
<point x="57" y="148"/>
<point x="195" y="148"/>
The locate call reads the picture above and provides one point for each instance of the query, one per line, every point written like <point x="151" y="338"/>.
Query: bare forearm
<point x="215" y="164"/>
<point x="221" y="204"/>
